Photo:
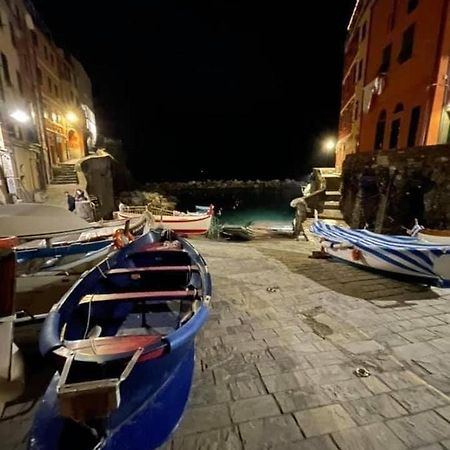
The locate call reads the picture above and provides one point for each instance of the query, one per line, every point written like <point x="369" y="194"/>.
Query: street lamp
<point x="71" y="117"/>
<point x="20" y="116"/>
<point x="329" y="144"/>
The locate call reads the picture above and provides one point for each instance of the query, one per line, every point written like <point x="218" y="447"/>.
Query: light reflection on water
<point x="241" y="206"/>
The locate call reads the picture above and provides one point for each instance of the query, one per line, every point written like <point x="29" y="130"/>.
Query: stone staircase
<point x="333" y="195"/>
<point x="64" y="174"/>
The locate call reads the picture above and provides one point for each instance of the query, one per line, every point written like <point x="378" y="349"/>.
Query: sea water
<point x="240" y="206"/>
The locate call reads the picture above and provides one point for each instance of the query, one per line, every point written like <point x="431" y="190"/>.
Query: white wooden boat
<point x="435" y="236"/>
<point x="184" y="224"/>
<point x="403" y="255"/>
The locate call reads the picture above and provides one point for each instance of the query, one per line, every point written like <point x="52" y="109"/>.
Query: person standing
<point x="79" y="195"/>
<point x="301" y="214"/>
<point x="70" y="201"/>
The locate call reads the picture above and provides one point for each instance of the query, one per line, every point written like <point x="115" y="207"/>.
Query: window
<point x="39" y="75"/>
<point x="398" y="108"/>
<point x="49" y="84"/>
<point x="55" y="88"/>
<point x="407" y="45"/>
<point x="359" y="70"/>
<point x="71" y="97"/>
<point x="395" y="133"/>
<point x="46" y="52"/>
<point x="19" y="82"/>
<point x="12" y="34"/>
<point x="6" y="69"/>
<point x="379" y="132"/>
<point x="413" y="126"/>
<point x="386" y="59"/>
<point x="392" y="16"/>
<point x="412" y="5"/>
<point x="52" y="59"/>
<point x="34" y="38"/>
<point x="364" y="31"/>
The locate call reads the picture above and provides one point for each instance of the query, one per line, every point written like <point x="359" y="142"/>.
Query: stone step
<point x="331" y="214"/>
<point x="332" y="195"/>
<point x="64" y="182"/>
<point x="333" y="183"/>
<point x="70" y="179"/>
<point x="331" y="204"/>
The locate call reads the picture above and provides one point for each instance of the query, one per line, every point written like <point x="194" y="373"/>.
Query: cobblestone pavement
<point x="275" y="365"/>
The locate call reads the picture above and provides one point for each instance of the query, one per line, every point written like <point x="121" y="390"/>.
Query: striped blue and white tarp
<point x="406" y="253"/>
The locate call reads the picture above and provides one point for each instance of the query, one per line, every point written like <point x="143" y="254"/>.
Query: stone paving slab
<point x="276" y="370"/>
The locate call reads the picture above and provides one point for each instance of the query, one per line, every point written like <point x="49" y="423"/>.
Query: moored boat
<point x="123" y="339"/>
<point x="435" y="236"/>
<point x="401" y="255"/>
<point x="185" y="224"/>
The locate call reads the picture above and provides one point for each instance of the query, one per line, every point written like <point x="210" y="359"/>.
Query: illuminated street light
<point x="20" y="116"/>
<point x="329" y="144"/>
<point x="71" y="117"/>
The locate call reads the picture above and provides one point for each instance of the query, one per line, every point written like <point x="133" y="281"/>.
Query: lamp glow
<point x="20" y="116"/>
<point x="71" y="117"/>
<point x="329" y="144"/>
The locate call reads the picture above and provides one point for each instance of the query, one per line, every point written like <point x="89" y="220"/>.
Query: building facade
<point x="41" y="115"/>
<point x="401" y="97"/>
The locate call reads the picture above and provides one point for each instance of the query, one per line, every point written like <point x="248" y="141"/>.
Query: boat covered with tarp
<point x="123" y="341"/>
<point x="403" y="255"/>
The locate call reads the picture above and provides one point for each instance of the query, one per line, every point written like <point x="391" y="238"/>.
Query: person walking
<point x="70" y="201"/>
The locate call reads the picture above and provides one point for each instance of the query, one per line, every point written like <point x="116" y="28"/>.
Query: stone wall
<point x="388" y="190"/>
<point x="97" y="171"/>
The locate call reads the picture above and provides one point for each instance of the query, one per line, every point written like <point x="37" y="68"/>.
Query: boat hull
<point x="184" y="225"/>
<point x="435" y="236"/>
<point x="153" y="400"/>
<point x="399" y="255"/>
<point x="147" y="402"/>
<point x="368" y="262"/>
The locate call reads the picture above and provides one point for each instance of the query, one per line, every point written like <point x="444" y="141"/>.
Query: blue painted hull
<point x="60" y="251"/>
<point x="154" y="394"/>
<point x="153" y="401"/>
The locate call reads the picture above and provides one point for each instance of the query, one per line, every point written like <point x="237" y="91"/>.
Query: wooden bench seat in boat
<point x="186" y="294"/>
<point x="111" y="345"/>
<point x="135" y="270"/>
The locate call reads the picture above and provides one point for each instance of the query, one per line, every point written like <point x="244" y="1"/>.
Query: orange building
<point x="405" y="67"/>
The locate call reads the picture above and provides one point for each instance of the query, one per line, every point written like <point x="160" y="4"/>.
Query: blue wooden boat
<point x="123" y="341"/>
<point x="405" y="256"/>
<point x="60" y="251"/>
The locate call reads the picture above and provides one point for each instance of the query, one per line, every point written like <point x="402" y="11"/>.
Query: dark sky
<point x="235" y="88"/>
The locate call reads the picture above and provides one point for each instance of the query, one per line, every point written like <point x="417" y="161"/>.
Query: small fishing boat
<point x="185" y="224"/>
<point x="401" y="255"/>
<point x="123" y="341"/>
<point x="435" y="236"/>
<point x="101" y="232"/>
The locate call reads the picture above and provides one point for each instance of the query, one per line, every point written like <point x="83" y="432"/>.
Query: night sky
<point x="233" y="88"/>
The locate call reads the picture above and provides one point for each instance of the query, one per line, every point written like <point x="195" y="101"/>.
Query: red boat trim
<point x="111" y="345"/>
